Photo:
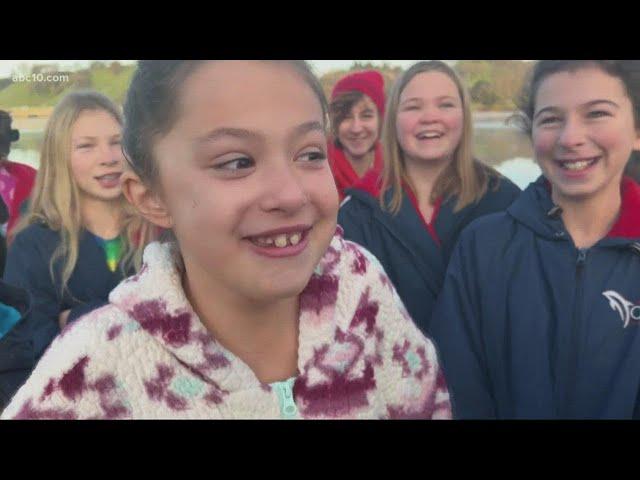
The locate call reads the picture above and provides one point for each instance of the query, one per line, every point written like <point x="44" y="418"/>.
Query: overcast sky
<point x="321" y="66"/>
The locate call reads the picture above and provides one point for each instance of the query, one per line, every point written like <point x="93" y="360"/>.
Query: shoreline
<point x="29" y="124"/>
<point x="491" y="116"/>
<point x="34" y="124"/>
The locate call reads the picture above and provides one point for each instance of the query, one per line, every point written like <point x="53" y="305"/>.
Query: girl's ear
<point x="148" y="203"/>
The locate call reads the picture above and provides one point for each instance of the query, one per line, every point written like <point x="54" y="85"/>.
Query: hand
<point x="62" y="318"/>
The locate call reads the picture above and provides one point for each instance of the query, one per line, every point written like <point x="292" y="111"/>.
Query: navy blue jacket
<point x="16" y="356"/>
<point x="28" y="267"/>
<point x="410" y="255"/>
<point x="529" y="326"/>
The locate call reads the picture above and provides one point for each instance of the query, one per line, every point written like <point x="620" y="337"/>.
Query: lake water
<point x="501" y="146"/>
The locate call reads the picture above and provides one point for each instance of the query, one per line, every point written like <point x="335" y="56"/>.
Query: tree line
<point x="493" y="84"/>
<point x="112" y="79"/>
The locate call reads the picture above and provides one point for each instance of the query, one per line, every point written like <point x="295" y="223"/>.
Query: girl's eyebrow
<point x="588" y="104"/>
<point x="545" y="110"/>
<point x="411" y="99"/>
<point x="307" y="127"/>
<point x="242" y="133"/>
<point x="222" y="132"/>
<point x="418" y="99"/>
<point x="595" y="102"/>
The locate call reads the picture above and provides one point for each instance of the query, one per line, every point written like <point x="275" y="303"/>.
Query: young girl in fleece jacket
<point x="257" y="308"/>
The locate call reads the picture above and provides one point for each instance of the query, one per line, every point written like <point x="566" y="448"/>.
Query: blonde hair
<point x="55" y="199"/>
<point x="464" y="176"/>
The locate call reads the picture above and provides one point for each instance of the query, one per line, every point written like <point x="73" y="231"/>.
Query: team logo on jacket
<point x="627" y="310"/>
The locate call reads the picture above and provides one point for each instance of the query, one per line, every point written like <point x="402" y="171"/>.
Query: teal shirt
<point x="9" y="316"/>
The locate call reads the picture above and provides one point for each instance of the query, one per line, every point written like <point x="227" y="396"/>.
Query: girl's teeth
<point x="281" y="241"/>
<point x="577" y="165"/>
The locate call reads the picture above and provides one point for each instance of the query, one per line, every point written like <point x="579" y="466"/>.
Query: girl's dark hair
<point x="340" y="108"/>
<point x="151" y="106"/>
<point x="628" y="71"/>
<point x="7" y="134"/>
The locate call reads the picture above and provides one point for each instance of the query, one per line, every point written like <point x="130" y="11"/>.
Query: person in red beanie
<point x="16" y="179"/>
<point x="356" y="110"/>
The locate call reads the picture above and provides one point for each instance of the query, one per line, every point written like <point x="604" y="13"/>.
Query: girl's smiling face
<point x="244" y="178"/>
<point x="96" y="155"/>
<point x="359" y="131"/>
<point x="583" y="132"/>
<point x="430" y="118"/>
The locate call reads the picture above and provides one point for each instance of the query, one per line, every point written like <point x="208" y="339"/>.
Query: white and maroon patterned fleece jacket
<point x="146" y="354"/>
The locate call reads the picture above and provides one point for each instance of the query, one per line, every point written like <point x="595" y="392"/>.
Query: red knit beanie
<point x="371" y="83"/>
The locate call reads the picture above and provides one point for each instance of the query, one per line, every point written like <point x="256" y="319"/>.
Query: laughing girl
<point x="432" y="186"/>
<point x="540" y="309"/>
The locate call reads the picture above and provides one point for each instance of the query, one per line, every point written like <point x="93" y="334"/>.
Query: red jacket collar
<point x="371" y="183"/>
<point x="628" y="223"/>
<point x="429" y="226"/>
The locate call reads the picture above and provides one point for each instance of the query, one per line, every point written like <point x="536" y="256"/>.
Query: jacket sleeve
<point x="61" y="387"/>
<point x="75" y="379"/>
<point x="456" y="330"/>
<point x="412" y="381"/>
<point x="28" y="268"/>
<point x="48" y="392"/>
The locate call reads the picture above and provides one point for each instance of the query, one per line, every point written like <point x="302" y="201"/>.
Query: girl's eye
<point x="411" y="107"/>
<point x="598" y="114"/>
<point x="85" y="145"/>
<point x="315" y="156"/>
<point x="236" y="164"/>
<point x="116" y="142"/>
<point x="447" y="105"/>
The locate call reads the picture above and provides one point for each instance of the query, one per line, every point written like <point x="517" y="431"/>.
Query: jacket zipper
<point x="287" y="404"/>
<point x="572" y="361"/>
